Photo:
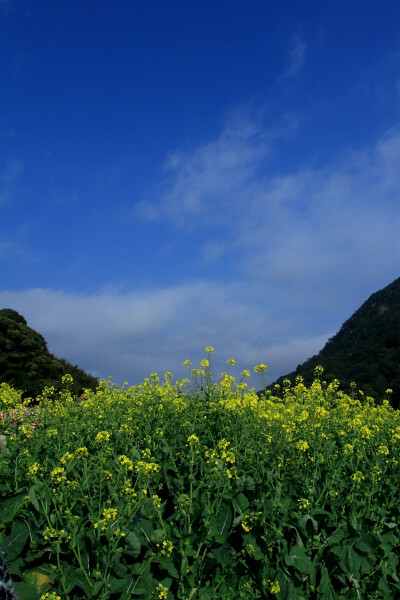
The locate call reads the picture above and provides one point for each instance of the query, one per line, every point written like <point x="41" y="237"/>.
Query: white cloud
<point x="299" y="236"/>
<point x="130" y="335"/>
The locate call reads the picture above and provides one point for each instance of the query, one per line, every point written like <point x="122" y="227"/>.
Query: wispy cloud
<point x="296" y="57"/>
<point x="312" y="228"/>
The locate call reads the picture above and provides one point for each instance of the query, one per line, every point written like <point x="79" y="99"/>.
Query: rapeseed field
<point x="201" y="489"/>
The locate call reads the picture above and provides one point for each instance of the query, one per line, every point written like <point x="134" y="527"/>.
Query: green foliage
<point x="366" y="350"/>
<point x="26" y="363"/>
<point x="203" y="491"/>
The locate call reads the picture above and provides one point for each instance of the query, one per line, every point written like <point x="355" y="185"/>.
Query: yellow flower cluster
<point x="192" y="440"/>
<point x="249" y="520"/>
<point x="102" y="436"/>
<point x="58" y="475"/>
<point x="146" y="468"/>
<point x="126" y="462"/>
<point x="303" y="503"/>
<point x="302" y="445"/>
<point x="50" y="596"/>
<point x="165" y="548"/>
<point x="162" y="591"/>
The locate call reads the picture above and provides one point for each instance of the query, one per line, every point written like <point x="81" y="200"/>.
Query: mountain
<point x="27" y="364"/>
<point x="366" y="350"/>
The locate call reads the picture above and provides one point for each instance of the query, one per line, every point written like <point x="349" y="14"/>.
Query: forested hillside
<point x="365" y="350"/>
<point x="27" y="364"/>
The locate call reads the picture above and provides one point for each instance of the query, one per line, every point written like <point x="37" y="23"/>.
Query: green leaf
<point x="288" y="591"/>
<point x="157" y="536"/>
<point x="10" y="507"/>
<point x="26" y="591"/>
<point x="367" y="543"/>
<point x="300" y="561"/>
<point x="221" y="523"/>
<point x="223" y="555"/>
<point x="307" y="525"/>
<point x="168" y="565"/>
<point x="133" y="545"/>
<point x="143" y="529"/>
<point x="250" y="540"/>
<point x="240" y="503"/>
<point x="32" y="495"/>
<point x="14" y="544"/>
<point x="204" y="594"/>
<point x="350" y="560"/>
<point x="325" y="588"/>
<point x="336" y="536"/>
<point x="119" y="584"/>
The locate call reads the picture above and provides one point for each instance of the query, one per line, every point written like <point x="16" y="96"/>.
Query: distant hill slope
<point x="365" y="350"/>
<point x="26" y="363"/>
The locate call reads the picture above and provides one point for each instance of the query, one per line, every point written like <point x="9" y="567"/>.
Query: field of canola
<point x="199" y="489"/>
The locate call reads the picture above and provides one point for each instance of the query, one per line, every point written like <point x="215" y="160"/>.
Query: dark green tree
<point x="366" y="350"/>
<point x="27" y="364"/>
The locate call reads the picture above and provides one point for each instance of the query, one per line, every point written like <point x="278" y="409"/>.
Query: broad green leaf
<point x="221" y="523"/>
<point x="240" y="503"/>
<point x="10" y="508"/>
<point x="26" y="591"/>
<point x="367" y="543"/>
<point x="256" y="552"/>
<point x="157" y="536"/>
<point x="118" y="585"/>
<point x="336" y="536"/>
<point x="307" y="525"/>
<point x="13" y="545"/>
<point x="204" y="594"/>
<point x="300" y="561"/>
<point x="223" y="555"/>
<point x="32" y="495"/>
<point x="325" y="588"/>
<point x="168" y="565"/>
<point x="350" y="560"/>
<point x="133" y="545"/>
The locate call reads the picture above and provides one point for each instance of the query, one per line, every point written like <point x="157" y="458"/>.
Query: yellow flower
<point x="33" y="469"/>
<point x="67" y="456"/>
<point x="275" y="588"/>
<point x="126" y="462"/>
<point x="146" y="468"/>
<point x="102" y="436"/>
<point x="231" y="362"/>
<point x="82" y="451"/>
<point x="348" y="449"/>
<point x="209" y="349"/>
<point x="302" y="445"/>
<point x="193" y="439"/>
<point x="260" y="368"/>
<point x="303" y="503"/>
<point x="204" y="363"/>
<point x="162" y="591"/>
<point x="245" y="374"/>
<point x="357" y="477"/>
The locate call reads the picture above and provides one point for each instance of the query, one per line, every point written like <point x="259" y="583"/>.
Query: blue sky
<point x="176" y="174"/>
